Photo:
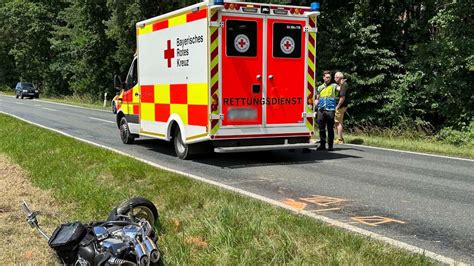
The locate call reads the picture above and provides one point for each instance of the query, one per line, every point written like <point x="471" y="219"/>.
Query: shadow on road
<point x="250" y="159"/>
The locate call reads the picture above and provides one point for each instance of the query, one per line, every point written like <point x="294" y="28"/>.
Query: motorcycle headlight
<point x="36" y="91"/>
<point x="25" y="90"/>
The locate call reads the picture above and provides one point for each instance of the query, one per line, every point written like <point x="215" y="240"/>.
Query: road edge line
<point x="65" y="104"/>
<point x="348" y="227"/>
<point x="410" y="152"/>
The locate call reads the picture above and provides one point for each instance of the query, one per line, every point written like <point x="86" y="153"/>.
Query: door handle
<point x="259" y="77"/>
<point x="270" y="77"/>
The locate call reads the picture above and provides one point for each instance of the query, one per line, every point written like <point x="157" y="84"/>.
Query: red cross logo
<point x="242" y="43"/>
<point x="169" y="53"/>
<point x="287" y="45"/>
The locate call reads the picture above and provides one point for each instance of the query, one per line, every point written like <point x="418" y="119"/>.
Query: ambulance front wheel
<point x="125" y="135"/>
<point x="181" y="148"/>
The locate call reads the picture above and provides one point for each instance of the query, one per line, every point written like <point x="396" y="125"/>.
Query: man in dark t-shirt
<point x="341" y="106"/>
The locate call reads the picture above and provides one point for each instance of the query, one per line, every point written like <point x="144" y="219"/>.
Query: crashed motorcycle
<point x="127" y="237"/>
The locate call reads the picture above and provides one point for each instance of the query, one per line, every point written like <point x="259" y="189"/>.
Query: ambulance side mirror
<point x="118" y="84"/>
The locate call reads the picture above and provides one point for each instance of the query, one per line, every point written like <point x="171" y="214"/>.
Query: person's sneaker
<point x="339" y="141"/>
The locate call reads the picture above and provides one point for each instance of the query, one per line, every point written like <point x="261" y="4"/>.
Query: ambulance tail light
<point x="232" y="6"/>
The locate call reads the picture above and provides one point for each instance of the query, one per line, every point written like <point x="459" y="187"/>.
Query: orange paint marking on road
<point x="326" y="210"/>
<point x="295" y="204"/>
<point x="375" y="220"/>
<point x="323" y="200"/>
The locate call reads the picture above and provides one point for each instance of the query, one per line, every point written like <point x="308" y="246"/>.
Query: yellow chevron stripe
<point x="311" y="47"/>
<point x="310" y="79"/>
<point x="214" y="62"/>
<point x="214" y="44"/>
<point x="214" y="79"/>
<point x="311" y="64"/>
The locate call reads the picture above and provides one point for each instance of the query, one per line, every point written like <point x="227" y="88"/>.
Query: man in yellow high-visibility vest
<point x="326" y="106"/>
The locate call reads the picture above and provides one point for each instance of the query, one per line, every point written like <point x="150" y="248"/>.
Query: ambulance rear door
<point x="242" y="70"/>
<point x="263" y="70"/>
<point x="285" y="71"/>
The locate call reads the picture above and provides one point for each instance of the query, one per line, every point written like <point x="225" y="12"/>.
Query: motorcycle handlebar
<point x="25" y="209"/>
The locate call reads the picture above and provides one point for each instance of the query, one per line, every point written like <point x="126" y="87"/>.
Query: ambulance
<point x="232" y="76"/>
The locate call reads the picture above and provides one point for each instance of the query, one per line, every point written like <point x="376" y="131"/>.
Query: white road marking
<point x="396" y="243"/>
<point x="18" y="103"/>
<point x="103" y="120"/>
<point x="411" y="152"/>
<point x="37" y="105"/>
<point x="49" y="109"/>
<point x="74" y="106"/>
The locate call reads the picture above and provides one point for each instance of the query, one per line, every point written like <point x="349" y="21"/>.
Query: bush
<point x="455" y="137"/>
<point x="5" y="88"/>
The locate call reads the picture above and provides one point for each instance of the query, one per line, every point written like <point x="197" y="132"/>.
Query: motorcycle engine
<point x="122" y="245"/>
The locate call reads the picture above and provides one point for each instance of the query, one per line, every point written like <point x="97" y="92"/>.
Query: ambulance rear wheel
<point x="181" y="148"/>
<point x="125" y="135"/>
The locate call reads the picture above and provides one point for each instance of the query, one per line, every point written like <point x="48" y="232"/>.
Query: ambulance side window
<point x="241" y="38"/>
<point x="287" y="40"/>
<point x="132" y="77"/>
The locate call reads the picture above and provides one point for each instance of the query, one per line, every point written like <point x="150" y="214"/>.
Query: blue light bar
<point x="219" y="2"/>
<point x="315" y="6"/>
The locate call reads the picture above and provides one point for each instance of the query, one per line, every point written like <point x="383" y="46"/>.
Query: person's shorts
<point x="339" y="117"/>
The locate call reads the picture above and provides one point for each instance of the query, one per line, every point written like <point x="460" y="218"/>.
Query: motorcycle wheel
<point x="140" y="207"/>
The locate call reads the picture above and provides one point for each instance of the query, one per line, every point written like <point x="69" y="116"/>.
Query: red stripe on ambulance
<point x="196" y="15"/>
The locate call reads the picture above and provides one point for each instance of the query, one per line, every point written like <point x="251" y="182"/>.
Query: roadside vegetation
<point x="447" y="141"/>
<point x="199" y="223"/>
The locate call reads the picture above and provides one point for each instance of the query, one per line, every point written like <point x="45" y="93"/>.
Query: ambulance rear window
<point x="287" y="40"/>
<point x="241" y="38"/>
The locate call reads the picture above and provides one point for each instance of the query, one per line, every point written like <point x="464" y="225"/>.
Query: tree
<point x="435" y="88"/>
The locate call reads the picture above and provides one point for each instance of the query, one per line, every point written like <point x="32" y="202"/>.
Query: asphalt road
<point x="422" y="200"/>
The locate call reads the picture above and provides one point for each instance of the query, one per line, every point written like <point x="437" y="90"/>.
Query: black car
<point x="25" y="89"/>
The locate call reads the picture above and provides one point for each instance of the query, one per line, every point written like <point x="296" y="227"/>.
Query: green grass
<point x="199" y="223"/>
<point x="80" y="101"/>
<point x="425" y="145"/>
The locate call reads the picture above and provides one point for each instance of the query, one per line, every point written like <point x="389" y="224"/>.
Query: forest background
<point x="409" y="63"/>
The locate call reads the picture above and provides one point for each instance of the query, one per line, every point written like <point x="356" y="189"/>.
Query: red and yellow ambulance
<point x="231" y="75"/>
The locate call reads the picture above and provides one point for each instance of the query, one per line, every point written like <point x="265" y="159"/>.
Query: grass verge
<point x="416" y="145"/>
<point x="199" y="223"/>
